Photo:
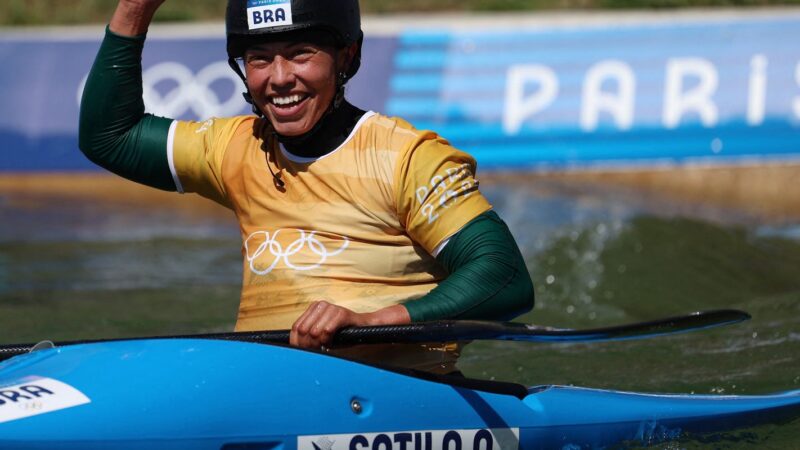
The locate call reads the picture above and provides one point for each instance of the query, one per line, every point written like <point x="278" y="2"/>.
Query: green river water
<point x="75" y="270"/>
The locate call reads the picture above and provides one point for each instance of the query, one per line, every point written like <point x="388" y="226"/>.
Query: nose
<point x="282" y="73"/>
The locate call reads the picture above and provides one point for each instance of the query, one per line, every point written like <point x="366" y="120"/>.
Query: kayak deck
<point x="654" y="417"/>
<point x="214" y="394"/>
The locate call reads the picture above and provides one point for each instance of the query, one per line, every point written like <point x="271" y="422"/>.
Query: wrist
<point x="391" y="315"/>
<point x="132" y="18"/>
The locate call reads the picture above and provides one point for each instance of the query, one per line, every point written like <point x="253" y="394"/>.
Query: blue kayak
<point x="198" y="394"/>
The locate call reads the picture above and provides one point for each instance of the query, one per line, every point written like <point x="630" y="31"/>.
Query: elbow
<point x="87" y="138"/>
<point x="524" y="294"/>
<point x="85" y="144"/>
<point x="99" y="127"/>
<point x="527" y="294"/>
<point x="91" y="149"/>
<point x="97" y="139"/>
<point x="86" y="126"/>
<point x="515" y="298"/>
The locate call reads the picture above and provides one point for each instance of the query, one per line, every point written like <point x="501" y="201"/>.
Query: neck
<point x="329" y="133"/>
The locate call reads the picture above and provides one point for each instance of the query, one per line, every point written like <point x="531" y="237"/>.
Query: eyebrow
<point x="289" y="45"/>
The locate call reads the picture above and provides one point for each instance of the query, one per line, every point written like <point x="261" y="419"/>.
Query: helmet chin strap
<point x="246" y="94"/>
<point x="338" y="98"/>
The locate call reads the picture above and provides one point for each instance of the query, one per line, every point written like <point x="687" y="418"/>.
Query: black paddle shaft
<point x="460" y="330"/>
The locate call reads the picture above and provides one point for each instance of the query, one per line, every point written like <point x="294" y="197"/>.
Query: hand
<point x="320" y="322"/>
<point x="133" y="17"/>
<point x="317" y="325"/>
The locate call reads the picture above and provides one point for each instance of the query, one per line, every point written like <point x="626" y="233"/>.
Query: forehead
<point x="279" y="46"/>
<point x="317" y="38"/>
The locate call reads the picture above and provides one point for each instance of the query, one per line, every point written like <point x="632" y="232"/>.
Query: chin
<point x="291" y="130"/>
<point x="289" y="127"/>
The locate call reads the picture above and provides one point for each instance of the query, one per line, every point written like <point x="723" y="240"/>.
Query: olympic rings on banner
<point x="270" y="246"/>
<point x="170" y="89"/>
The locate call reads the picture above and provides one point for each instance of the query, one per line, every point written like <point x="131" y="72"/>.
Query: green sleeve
<point x="487" y="276"/>
<point x="114" y="131"/>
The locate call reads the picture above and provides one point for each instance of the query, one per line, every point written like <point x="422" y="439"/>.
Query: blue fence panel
<point x="719" y="91"/>
<point x="184" y="78"/>
<point x="648" y="94"/>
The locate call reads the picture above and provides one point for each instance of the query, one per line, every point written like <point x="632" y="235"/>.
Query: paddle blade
<point x="671" y="325"/>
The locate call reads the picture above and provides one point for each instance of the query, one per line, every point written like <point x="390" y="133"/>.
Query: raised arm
<point x="114" y="130"/>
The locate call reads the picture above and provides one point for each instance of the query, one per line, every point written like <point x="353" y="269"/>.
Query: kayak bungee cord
<point x="458" y="330"/>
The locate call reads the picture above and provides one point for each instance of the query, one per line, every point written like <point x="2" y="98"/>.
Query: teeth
<point x="286" y="100"/>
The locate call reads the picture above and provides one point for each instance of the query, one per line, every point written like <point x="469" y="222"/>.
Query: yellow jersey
<point x="358" y="227"/>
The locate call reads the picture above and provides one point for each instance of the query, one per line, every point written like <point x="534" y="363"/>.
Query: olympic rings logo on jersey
<point x="264" y="250"/>
<point x="202" y="93"/>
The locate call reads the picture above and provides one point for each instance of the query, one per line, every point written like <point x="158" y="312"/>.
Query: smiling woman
<point x="293" y="83"/>
<point x="347" y="217"/>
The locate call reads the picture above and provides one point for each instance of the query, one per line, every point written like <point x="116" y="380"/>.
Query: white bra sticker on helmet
<point x="268" y="13"/>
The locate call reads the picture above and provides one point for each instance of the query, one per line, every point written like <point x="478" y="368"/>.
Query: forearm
<point x="391" y="315"/>
<point x="488" y="278"/>
<point x="114" y="131"/>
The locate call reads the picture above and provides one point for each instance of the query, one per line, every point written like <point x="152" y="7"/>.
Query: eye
<point x="257" y="61"/>
<point x="303" y="53"/>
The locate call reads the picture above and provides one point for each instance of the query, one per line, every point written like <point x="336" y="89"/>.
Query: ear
<point x="345" y="57"/>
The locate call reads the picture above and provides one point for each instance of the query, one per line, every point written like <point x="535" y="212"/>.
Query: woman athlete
<point x="347" y="217"/>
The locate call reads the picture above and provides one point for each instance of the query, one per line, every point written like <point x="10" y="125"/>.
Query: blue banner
<point x="722" y="91"/>
<point x="650" y="94"/>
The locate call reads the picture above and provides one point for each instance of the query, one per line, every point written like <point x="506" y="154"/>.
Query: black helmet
<point x="252" y="21"/>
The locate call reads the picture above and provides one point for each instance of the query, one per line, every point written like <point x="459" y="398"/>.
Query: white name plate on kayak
<point x="487" y="438"/>
<point x="37" y="396"/>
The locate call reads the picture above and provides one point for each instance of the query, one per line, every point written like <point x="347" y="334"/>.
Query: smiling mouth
<point x="287" y="101"/>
